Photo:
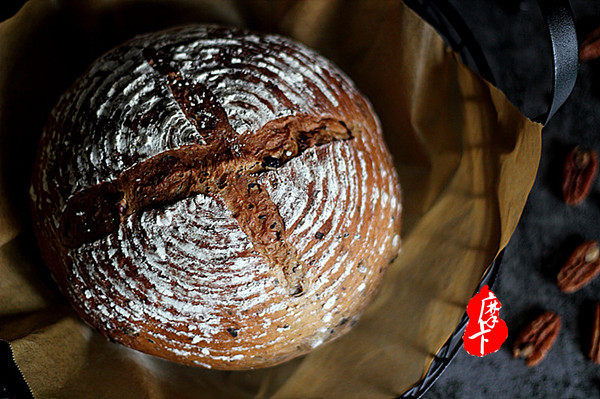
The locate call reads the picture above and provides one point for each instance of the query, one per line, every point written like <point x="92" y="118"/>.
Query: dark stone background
<point x="514" y="39"/>
<point x="512" y="35"/>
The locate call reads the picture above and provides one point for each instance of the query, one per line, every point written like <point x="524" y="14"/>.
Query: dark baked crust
<point x="216" y="197"/>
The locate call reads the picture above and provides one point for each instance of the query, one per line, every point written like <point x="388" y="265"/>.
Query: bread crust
<point x="216" y="197"/>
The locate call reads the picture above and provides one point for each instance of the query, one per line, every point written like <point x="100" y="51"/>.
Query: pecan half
<point x="581" y="267"/>
<point x="590" y="47"/>
<point x="595" y="342"/>
<point x="534" y="342"/>
<point x="579" y="172"/>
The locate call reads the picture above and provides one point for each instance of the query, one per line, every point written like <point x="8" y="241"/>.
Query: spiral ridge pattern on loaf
<point x="183" y="281"/>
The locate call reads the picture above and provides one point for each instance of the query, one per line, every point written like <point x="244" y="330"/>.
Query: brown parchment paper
<point x="467" y="160"/>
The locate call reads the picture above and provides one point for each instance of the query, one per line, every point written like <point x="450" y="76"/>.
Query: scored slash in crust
<point x="214" y="168"/>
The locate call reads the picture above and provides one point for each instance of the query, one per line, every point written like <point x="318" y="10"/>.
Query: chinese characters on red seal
<point x="486" y="331"/>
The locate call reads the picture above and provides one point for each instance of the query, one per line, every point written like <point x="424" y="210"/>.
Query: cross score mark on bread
<point x="217" y="167"/>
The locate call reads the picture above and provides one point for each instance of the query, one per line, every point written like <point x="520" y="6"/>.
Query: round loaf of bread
<point x="216" y="197"/>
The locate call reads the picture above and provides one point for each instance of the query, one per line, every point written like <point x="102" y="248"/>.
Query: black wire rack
<point x="448" y="352"/>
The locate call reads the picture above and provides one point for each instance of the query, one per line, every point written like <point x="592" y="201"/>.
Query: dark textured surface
<point x="513" y="38"/>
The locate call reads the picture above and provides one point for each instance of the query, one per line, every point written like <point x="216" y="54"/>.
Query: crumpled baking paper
<point x="466" y="157"/>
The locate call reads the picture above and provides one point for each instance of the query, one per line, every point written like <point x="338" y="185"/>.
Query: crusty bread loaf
<point x="216" y="197"/>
